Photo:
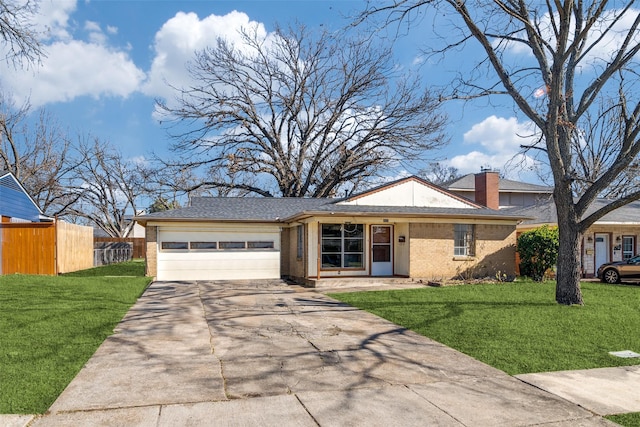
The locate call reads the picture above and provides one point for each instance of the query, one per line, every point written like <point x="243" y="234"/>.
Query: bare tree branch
<point x="585" y="54"/>
<point x="300" y="115"/>
<point x="17" y="33"/>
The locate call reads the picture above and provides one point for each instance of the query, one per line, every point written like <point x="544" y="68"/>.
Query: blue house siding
<point x="15" y="203"/>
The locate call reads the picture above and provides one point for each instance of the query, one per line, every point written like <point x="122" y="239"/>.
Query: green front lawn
<point x="627" y="420"/>
<point x="517" y="327"/>
<point x="50" y="327"/>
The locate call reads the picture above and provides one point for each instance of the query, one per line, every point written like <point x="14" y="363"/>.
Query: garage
<point x="218" y="253"/>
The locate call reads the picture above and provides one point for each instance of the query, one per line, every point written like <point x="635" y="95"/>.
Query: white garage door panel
<point x="218" y="264"/>
<point x="227" y="271"/>
<point x="204" y="236"/>
<point x="251" y="262"/>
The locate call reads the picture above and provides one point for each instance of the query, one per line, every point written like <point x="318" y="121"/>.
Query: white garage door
<point x="218" y="254"/>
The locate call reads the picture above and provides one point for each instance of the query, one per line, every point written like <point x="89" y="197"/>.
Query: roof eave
<point x="308" y="214"/>
<point x="144" y="220"/>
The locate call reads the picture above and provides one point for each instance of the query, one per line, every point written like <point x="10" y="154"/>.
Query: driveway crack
<point x="212" y="347"/>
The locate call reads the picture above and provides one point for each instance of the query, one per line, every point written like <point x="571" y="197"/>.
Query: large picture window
<point x="342" y="246"/>
<point x="463" y="242"/>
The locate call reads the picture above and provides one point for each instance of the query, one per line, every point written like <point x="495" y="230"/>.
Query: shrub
<point x="538" y="251"/>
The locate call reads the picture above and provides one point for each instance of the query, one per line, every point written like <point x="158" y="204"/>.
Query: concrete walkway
<point x="268" y="354"/>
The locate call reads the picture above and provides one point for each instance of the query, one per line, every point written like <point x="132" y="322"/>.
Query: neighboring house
<point x="510" y="193"/>
<point x="407" y="228"/>
<point x="614" y="237"/>
<point x="16" y="205"/>
<point x="32" y="243"/>
<point x="137" y="231"/>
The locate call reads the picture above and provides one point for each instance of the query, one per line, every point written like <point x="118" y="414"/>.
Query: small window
<point x="628" y="247"/>
<point x="232" y="245"/>
<point x="203" y="245"/>
<point x="175" y="245"/>
<point x="260" y="245"/>
<point x="300" y="240"/>
<point x="463" y="241"/>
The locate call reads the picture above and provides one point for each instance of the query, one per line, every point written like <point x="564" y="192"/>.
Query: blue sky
<point x="107" y="61"/>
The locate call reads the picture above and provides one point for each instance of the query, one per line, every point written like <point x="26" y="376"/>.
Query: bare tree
<point x="39" y="155"/>
<point x="596" y="151"/>
<point x="578" y="55"/>
<point x="17" y="33"/>
<point x="11" y="124"/>
<point x="299" y="115"/>
<point x="108" y="187"/>
<point x="439" y="173"/>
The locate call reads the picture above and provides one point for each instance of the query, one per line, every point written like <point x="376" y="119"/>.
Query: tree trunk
<point x="569" y="269"/>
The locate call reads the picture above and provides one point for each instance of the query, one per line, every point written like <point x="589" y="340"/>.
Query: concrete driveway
<point x="269" y="354"/>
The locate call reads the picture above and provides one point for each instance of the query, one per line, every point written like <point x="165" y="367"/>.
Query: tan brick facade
<point x="151" y="234"/>
<point x="432" y="252"/>
<point x="292" y="266"/>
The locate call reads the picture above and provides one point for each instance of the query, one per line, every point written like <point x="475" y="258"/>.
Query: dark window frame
<point x="349" y="234"/>
<point x="178" y="246"/>
<point x="222" y="245"/>
<point x="464" y="240"/>
<point x="192" y="246"/>
<point x="255" y="244"/>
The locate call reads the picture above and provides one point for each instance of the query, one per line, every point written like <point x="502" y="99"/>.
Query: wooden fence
<point x="45" y="247"/>
<point x="75" y="247"/>
<point x="139" y="246"/>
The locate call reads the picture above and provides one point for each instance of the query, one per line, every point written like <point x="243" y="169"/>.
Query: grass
<point x="627" y="420"/>
<point x="50" y="327"/>
<point x="130" y="268"/>
<point x="517" y="327"/>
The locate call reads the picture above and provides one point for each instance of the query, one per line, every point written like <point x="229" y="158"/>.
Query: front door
<point x="382" y="250"/>
<point x="602" y="249"/>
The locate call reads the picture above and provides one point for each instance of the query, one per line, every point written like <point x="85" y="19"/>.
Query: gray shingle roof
<point x="545" y="213"/>
<point x="259" y="209"/>
<point x="468" y="183"/>
<point x="239" y="209"/>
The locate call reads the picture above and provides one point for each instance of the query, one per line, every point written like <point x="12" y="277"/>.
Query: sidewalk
<point x="268" y="354"/>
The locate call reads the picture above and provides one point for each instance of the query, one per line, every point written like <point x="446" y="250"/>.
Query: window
<point x="203" y="245"/>
<point x="463" y="243"/>
<point x="260" y="245"/>
<point x="342" y="245"/>
<point x="232" y="245"/>
<point x="300" y="240"/>
<point x="628" y="247"/>
<point x="175" y="245"/>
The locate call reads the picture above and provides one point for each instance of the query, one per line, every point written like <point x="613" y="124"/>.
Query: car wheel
<point x="611" y="276"/>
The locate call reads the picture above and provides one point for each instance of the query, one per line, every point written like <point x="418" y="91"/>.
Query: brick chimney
<point x="488" y="189"/>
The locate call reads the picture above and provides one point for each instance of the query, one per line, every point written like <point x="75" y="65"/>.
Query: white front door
<point x="602" y="249"/>
<point x="382" y="250"/>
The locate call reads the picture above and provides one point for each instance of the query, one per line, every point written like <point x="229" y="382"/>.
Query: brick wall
<point x="292" y="266"/>
<point x="432" y="252"/>
<point x="151" y="252"/>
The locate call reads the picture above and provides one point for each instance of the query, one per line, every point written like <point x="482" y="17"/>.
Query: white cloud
<point x="53" y="19"/>
<point x="499" y="140"/>
<point x="180" y="37"/>
<point x="95" y="33"/>
<point x="74" y="69"/>
<point x="498" y="134"/>
<point x="92" y="26"/>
